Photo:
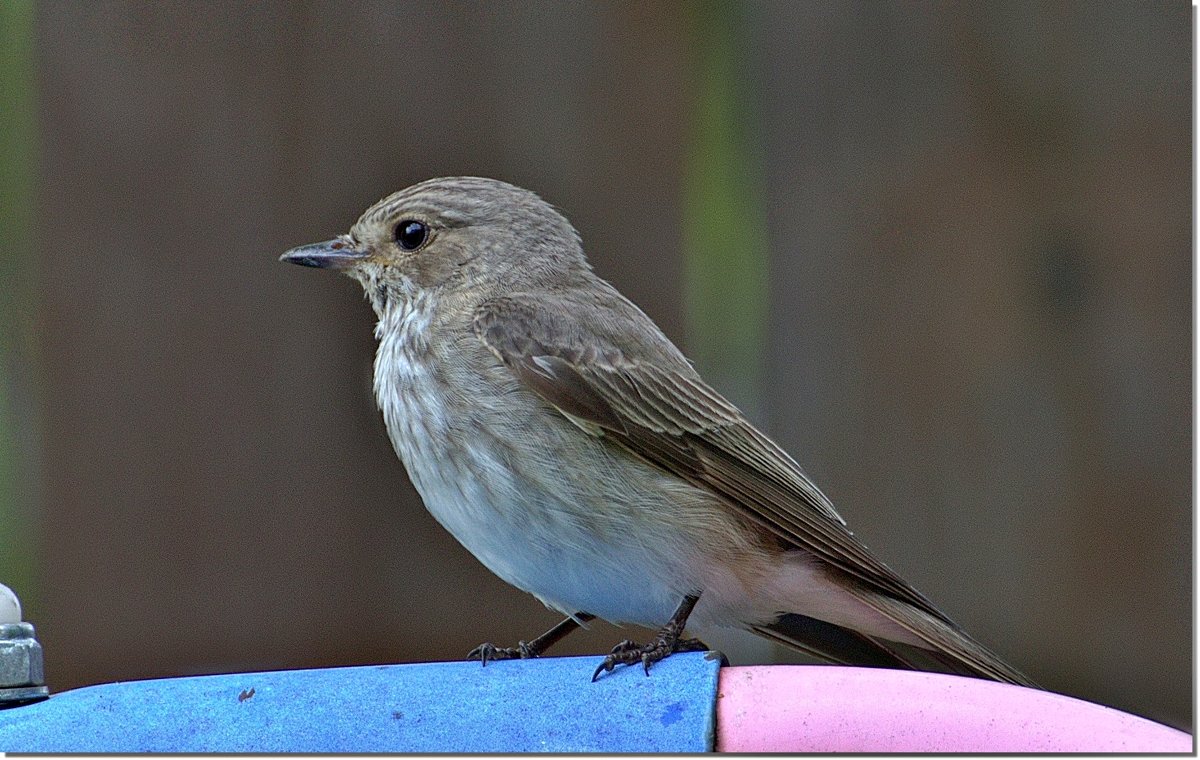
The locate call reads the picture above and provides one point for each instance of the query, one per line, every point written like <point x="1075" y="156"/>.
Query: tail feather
<point x="949" y="648"/>
<point x="830" y="642"/>
<point x="948" y="644"/>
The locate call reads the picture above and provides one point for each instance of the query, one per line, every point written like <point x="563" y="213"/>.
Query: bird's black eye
<point x="411" y="234"/>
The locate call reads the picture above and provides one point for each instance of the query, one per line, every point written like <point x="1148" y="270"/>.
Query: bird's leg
<point x="666" y="642"/>
<point x="525" y="650"/>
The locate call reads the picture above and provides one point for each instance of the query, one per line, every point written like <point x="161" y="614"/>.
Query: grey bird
<point x="553" y="429"/>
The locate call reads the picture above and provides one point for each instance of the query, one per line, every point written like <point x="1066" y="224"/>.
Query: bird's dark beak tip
<point x="292" y="257"/>
<point x="332" y="254"/>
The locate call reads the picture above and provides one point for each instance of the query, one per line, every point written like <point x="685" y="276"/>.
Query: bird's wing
<point x="671" y="418"/>
<point x="668" y="416"/>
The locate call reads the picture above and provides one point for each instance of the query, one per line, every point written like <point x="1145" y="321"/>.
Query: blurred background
<point x="941" y="252"/>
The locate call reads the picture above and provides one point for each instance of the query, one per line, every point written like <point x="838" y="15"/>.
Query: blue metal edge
<point x="543" y="705"/>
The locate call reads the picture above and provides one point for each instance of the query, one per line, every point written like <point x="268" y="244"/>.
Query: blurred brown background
<point x="969" y="225"/>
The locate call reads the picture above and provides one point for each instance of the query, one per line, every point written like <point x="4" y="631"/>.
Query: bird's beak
<point x="332" y="254"/>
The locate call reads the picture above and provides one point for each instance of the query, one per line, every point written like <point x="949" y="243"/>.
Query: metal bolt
<point x="22" y="678"/>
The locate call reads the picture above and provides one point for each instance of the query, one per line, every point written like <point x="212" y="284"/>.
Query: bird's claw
<point x="488" y="651"/>
<point x="628" y="653"/>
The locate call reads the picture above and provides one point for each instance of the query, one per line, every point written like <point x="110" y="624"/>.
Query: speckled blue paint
<point x="672" y="713"/>
<point x="546" y="705"/>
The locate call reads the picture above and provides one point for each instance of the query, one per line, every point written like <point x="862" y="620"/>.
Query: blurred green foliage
<point x="17" y="165"/>
<point x="725" y="244"/>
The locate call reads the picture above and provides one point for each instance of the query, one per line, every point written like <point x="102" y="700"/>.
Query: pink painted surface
<point x="817" y="708"/>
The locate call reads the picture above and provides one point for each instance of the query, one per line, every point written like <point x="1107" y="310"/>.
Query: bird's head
<point x="451" y="233"/>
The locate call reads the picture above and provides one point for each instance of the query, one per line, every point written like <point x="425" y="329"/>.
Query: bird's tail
<point x="949" y="648"/>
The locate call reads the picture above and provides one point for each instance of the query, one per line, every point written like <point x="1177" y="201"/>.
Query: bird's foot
<point x="666" y="642"/>
<point x="663" y="646"/>
<point x="488" y="651"/>
<point x="529" y="650"/>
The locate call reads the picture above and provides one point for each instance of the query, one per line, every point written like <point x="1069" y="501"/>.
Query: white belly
<point x="526" y="522"/>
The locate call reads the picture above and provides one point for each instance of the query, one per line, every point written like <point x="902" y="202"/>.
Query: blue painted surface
<point x="547" y="705"/>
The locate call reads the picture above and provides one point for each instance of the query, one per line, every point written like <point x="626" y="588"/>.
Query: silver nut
<point x="20" y="656"/>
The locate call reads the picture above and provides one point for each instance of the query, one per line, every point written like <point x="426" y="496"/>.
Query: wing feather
<point x="658" y="408"/>
<point x="669" y="416"/>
